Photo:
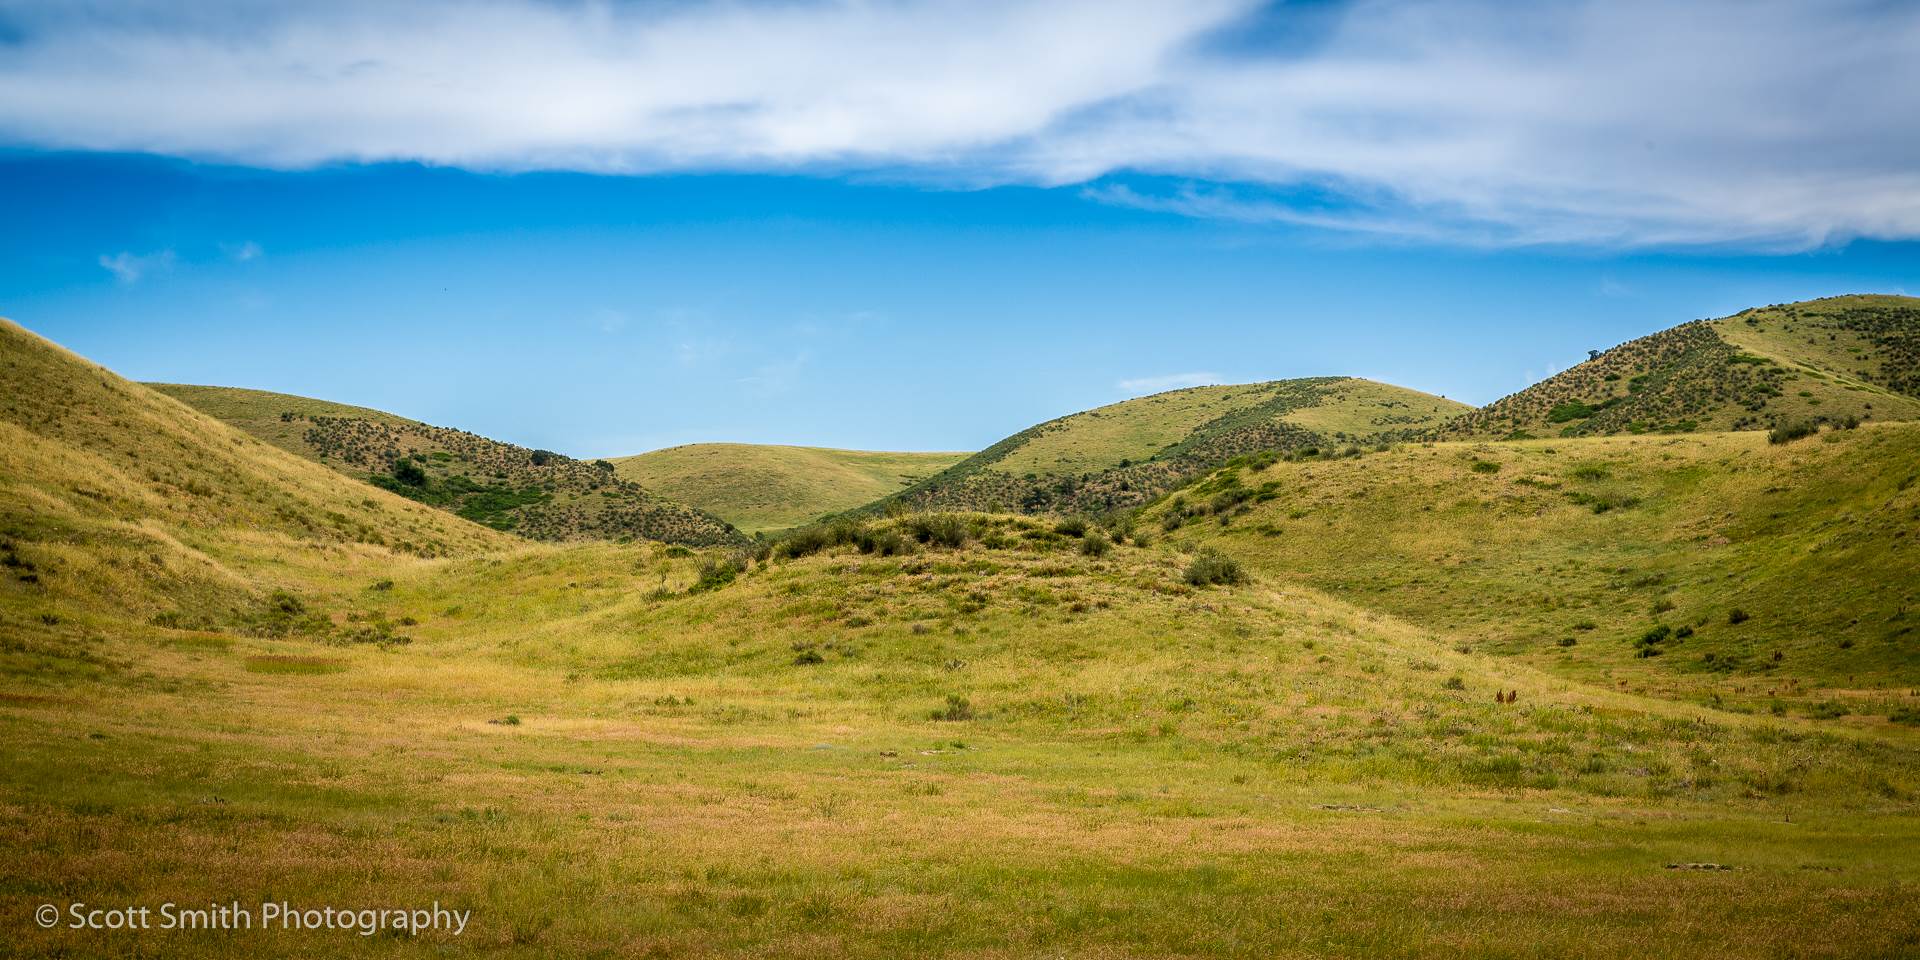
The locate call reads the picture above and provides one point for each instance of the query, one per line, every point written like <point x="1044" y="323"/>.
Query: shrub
<point x="808" y="541"/>
<point x="885" y="543"/>
<point x="1649" y="642"/>
<point x="939" y="529"/>
<point x="1211" y="567"/>
<point x="957" y="709"/>
<point x="407" y="472"/>
<point x="543" y="457"/>
<point x="1485" y="466"/>
<point x="1907" y="715"/>
<point x="1571" y="410"/>
<point x="1095" y="544"/>
<point x="1789" y="432"/>
<point x="1568" y="641"/>
<point x="714" y="574"/>
<point x="1737" y="615"/>
<point x="1072" y="527"/>
<point x="1454" y="683"/>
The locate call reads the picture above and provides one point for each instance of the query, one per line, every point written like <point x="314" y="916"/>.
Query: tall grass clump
<point x="1789" y="432"/>
<point x="1210" y="567"/>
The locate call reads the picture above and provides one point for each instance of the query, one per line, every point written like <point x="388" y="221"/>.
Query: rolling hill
<point x="117" y="499"/>
<point x="536" y="494"/>
<point x="1311" y="706"/>
<point x="1123" y="454"/>
<point x="1767" y="574"/>
<point x="1855" y="357"/>
<point x="759" y="487"/>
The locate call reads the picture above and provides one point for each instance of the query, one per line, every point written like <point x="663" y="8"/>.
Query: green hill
<point x="115" y="498"/>
<point x="536" y="494"/>
<point x="1831" y="360"/>
<point x="760" y="487"/>
<point x="227" y="673"/>
<point x="1123" y="454"/>
<point x="1782" y="573"/>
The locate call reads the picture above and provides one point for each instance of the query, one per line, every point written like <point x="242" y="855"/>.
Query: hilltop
<point x="759" y="487"/>
<point x="1123" y="454"/>
<point x="536" y="494"/>
<point x="115" y="498"/>
<point x="1832" y="360"/>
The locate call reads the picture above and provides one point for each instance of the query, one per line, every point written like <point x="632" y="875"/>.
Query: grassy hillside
<point x="1122" y="454"/>
<point x="264" y="413"/>
<point x="117" y="501"/>
<point x="536" y="494"/>
<point x="1312" y="706"/>
<point x="1013" y="745"/>
<point x="1833" y="360"/>
<point x="1783" y="574"/>
<point x="765" y="487"/>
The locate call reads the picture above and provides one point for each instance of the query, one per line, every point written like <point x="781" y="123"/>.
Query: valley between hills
<point x="1622" y="665"/>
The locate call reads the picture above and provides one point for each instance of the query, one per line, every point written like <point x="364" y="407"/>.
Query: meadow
<point x="1311" y="704"/>
<point x="985" y="750"/>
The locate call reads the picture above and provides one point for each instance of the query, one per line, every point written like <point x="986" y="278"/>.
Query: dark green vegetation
<point x="1819" y="361"/>
<point x="1121" y="456"/>
<point x="536" y="494"/>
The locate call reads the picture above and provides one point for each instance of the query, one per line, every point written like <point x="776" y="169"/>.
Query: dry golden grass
<point x="1016" y="747"/>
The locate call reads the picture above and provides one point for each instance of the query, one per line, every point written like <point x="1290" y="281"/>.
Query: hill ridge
<point x="537" y="494"/>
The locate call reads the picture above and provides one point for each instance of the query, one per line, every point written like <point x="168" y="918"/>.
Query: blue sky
<point x="924" y="225"/>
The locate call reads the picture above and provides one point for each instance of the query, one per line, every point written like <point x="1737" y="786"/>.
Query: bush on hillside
<point x="716" y="573"/>
<point x="1210" y="567"/>
<point x="407" y="472"/>
<point x="1789" y="432"/>
<point x="938" y="529"/>
<point x="885" y="543"/>
<point x="1095" y="544"/>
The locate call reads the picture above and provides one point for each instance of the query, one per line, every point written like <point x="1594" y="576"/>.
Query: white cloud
<point x="130" y="268"/>
<point x="1780" y="123"/>
<point x="1170" y="381"/>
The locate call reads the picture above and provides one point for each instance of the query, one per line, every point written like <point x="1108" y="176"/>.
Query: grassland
<point x="264" y="414"/>
<point x="1010" y="749"/>
<point x="1121" y="455"/>
<point x="1565" y="553"/>
<point x="229" y="673"/>
<point x="536" y="494"/>
<point x="1834" y="360"/>
<point x="764" y="487"/>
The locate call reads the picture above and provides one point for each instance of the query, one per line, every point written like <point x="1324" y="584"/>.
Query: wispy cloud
<point x="1170" y="381"/>
<point x="1775" y="123"/>
<point x="130" y="268"/>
